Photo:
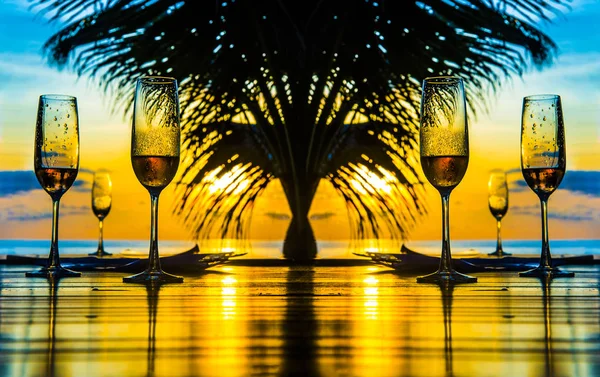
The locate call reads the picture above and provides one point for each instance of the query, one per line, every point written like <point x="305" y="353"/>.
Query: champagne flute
<point x="56" y="163"/>
<point x="543" y="162"/>
<point x="101" y="203"/>
<point x="155" y="138"/>
<point x="498" y="203"/>
<point x="444" y="137"/>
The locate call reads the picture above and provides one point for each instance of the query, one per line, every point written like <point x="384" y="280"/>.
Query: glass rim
<point x="58" y="97"/>
<point x="158" y="79"/>
<point x="442" y="80"/>
<point x="541" y="97"/>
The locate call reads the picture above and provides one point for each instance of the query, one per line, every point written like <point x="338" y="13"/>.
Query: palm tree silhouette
<point x="300" y="91"/>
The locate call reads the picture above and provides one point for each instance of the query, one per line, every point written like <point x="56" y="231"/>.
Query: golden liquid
<point x="101" y="206"/>
<point x="56" y="181"/>
<point x="155" y="172"/>
<point x="445" y="172"/>
<point x="498" y="206"/>
<point x="543" y="181"/>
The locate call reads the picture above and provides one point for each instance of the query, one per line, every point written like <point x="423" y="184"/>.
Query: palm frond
<point x="301" y="75"/>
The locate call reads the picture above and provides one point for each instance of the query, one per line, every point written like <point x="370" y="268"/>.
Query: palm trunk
<point x="300" y="244"/>
<point x="300" y="182"/>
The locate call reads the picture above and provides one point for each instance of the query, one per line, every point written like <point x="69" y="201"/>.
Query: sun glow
<point x="225" y="183"/>
<point x="365" y="181"/>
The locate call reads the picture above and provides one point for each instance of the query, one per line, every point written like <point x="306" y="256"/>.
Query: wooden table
<point x="302" y="321"/>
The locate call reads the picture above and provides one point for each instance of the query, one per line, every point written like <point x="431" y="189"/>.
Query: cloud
<point x="322" y="216"/>
<point x="277" y="216"/>
<point x="575" y="213"/>
<point x="23" y="213"/>
<point x="19" y="182"/>
<point x="285" y="216"/>
<point x="574" y="66"/>
<point x="581" y="182"/>
<point x="26" y="65"/>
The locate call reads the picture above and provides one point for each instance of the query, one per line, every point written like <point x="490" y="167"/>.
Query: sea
<point x="326" y="249"/>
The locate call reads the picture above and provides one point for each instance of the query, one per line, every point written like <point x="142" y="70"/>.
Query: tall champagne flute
<point x="101" y="204"/>
<point x="444" y="138"/>
<point x="56" y="163"/>
<point x="498" y="203"/>
<point x="543" y="162"/>
<point x="155" y="139"/>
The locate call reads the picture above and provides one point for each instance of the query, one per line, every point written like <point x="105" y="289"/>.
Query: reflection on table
<point x="305" y="321"/>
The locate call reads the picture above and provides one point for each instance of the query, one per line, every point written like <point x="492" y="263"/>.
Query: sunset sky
<point x="25" y="209"/>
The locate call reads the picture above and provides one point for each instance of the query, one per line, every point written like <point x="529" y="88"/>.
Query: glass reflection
<point x="545" y="282"/>
<point x="52" y="300"/>
<point x="447" y="289"/>
<point x="152" y="290"/>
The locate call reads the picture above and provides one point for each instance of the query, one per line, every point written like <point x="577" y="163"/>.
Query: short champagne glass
<point x="444" y="139"/>
<point x="498" y="203"/>
<point x="543" y="163"/>
<point x="155" y="139"/>
<point x="56" y="163"/>
<point x="101" y="204"/>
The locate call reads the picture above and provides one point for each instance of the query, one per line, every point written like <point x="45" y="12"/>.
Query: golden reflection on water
<point x="371" y="292"/>
<point x="229" y="297"/>
<point x="308" y="321"/>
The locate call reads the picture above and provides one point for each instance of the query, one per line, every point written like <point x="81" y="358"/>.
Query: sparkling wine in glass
<point x="101" y="204"/>
<point x="444" y="138"/>
<point x="498" y="203"/>
<point x="155" y="139"/>
<point x="543" y="162"/>
<point x="56" y="163"/>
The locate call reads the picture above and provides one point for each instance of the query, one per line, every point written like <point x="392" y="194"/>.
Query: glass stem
<point x="546" y="260"/>
<point x="101" y="237"/>
<point x="154" y="261"/>
<point x="54" y="256"/>
<point x="499" y="237"/>
<point x="446" y="259"/>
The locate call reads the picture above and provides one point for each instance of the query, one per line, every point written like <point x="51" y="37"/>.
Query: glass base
<point x="446" y="277"/>
<point x="153" y="277"/>
<point x="53" y="273"/>
<point x="499" y="253"/>
<point x="547" y="271"/>
<point x="100" y="253"/>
